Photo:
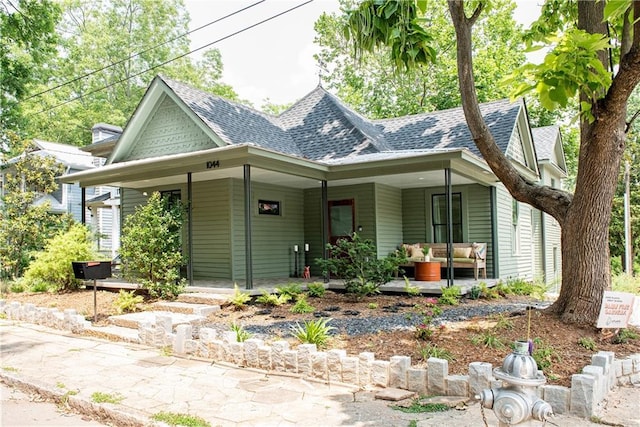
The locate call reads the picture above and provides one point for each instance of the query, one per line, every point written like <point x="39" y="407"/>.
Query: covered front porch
<point x="229" y="239"/>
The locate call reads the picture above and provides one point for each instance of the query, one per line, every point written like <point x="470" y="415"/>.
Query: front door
<point x="341" y="220"/>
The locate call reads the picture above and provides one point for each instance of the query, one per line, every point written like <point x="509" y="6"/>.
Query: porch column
<point x="247" y="227"/>
<point x="325" y="224"/>
<point x="189" y="229"/>
<point x="115" y="230"/>
<point x="83" y="205"/>
<point x="449" y="205"/>
<point x="494" y="232"/>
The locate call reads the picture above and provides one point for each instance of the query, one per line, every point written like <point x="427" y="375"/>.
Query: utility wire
<point x="176" y="58"/>
<point x="90" y="73"/>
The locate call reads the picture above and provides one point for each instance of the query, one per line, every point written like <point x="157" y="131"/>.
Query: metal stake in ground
<point x="95" y="302"/>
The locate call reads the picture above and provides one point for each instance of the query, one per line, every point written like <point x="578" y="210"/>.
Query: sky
<point x="274" y="60"/>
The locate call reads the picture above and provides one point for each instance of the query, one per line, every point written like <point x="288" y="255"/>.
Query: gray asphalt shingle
<point x="320" y="127"/>
<point x="544" y="139"/>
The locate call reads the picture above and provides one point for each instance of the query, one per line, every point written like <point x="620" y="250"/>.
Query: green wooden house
<point x="265" y="191"/>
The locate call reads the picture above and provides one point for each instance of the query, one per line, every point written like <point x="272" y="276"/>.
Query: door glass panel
<point x="341" y="220"/>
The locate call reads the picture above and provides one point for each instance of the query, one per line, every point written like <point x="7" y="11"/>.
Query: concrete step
<point x="134" y="320"/>
<point x="186" y="307"/>
<point x="113" y="333"/>
<point x="204" y="298"/>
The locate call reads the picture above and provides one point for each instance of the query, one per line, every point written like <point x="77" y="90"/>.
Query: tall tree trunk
<point x="585" y="231"/>
<point x="586" y="270"/>
<point x="584" y="219"/>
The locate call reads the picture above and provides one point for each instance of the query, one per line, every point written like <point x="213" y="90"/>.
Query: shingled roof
<point x="544" y="139"/>
<point x="235" y="123"/>
<point x="321" y="127"/>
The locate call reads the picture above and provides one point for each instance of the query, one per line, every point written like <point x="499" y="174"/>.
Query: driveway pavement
<point x="146" y="382"/>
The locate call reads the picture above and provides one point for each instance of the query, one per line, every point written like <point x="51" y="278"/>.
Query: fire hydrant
<point x="517" y="400"/>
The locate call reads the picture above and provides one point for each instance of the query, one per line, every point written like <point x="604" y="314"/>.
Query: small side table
<point x="427" y="271"/>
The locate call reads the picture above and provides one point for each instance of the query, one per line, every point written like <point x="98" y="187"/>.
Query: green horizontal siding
<point x="364" y="203"/>
<point x="388" y="219"/>
<point x="520" y="264"/>
<point x="211" y="216"/>
<point x="273" y="237"/>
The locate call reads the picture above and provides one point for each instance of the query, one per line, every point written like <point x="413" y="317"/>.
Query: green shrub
<point x="127" y="302"/>
<point x="53" y="265"/>
<point x="587" y="343"/>
<point x="39" y="287"/>
<point x="241" y="334"/>
<point x="489" y="293"/>
<point x="356" y="262"/>
<point x="427" y="311"/>
<point x="502" y="289"/>
<point x="519" y="286"/>
<point x="239" y="299"/>
<point x="503" y="322"/>
<point x="626" y="283"/>
<point x="316" y="289"/>
<point x="624" y="336"/>
<point x="272" y="299"/>
<point x="489" y="339"/>
<point x="432" y="350"/>
<point x="16" y="287"/>
<point x="292" y="290"/>
<point x="151" y="248"/>
<point x="475" y="292"/>
<point x="410" y="289"/>
<point x="302" y="306"/>
<point x="450" y="296"/>
<point x="544" y="355"/>
<point x="313" y="332"/>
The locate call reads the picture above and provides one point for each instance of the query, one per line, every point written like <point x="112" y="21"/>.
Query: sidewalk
<point x="58" y="364"/>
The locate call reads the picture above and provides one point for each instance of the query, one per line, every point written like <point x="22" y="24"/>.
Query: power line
<point x="176" y="58"/>
<point x="90" y="73"/>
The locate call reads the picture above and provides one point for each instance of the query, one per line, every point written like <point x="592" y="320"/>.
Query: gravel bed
<point x="360" y="325"/>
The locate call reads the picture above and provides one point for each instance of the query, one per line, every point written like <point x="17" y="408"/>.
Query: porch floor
<point x="227" y="286"/>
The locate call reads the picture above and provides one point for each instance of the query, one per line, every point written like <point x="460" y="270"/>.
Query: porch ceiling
<point x="400" y="171"/>
<point x="402" y="180"/>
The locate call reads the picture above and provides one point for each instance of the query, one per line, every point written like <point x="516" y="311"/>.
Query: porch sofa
<point x="465" y="255"/>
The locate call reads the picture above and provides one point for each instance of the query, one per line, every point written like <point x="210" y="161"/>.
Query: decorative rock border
<point x="587" y="390"/>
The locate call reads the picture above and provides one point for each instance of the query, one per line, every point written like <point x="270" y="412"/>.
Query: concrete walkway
<point x="67" y="366"/>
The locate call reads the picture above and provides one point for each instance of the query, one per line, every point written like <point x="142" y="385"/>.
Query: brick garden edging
<point x="588" y="389"/>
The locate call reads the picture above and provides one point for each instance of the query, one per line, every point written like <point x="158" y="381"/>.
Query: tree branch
<point x="476" y="14"/>
<point x="630" y="122"/>
<point x="552" y="201"/>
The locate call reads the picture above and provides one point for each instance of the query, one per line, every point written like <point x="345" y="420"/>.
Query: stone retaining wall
<point x="587" y="390"/>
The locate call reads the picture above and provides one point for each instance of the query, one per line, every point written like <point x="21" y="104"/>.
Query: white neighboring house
<point x="67" y="198"/>
<point x="102" y="203"/>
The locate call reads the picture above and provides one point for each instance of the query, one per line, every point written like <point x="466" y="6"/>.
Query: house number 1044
<point x="213" y="164"/>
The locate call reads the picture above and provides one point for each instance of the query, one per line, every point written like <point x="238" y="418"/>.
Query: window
<point x="173" y="197"/>
<point x="439" y="217"/>
<point x="515" y="227"/>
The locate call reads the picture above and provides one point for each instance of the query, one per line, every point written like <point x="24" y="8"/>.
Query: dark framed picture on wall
<point x="268" y="207"/>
